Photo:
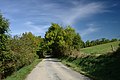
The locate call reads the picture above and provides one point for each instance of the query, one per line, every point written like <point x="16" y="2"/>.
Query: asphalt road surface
<point x="53" y="69"/>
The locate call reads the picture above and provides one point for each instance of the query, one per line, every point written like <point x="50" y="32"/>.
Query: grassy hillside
<point x="98" y="67"/>
<point x="103" y="48"/>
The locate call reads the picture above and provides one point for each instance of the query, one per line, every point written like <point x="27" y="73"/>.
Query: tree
<point x="114" y="39"/>
<point x="69" y="36"/>
<point x="6" y="58"/>
<point x="4" y="26"/>
<point x="59" y="40"/>
<point x="42" y="49"/>
<point x="77" y="42"/>
<point x="54" y="39"/>
<point x="87" y="43"/>
<point x="21" y="52"/>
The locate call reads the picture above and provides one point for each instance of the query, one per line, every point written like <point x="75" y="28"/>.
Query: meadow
<point x="101" y="49"/>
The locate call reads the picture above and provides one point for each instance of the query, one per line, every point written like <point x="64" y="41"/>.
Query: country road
<point x="53" y="69"/>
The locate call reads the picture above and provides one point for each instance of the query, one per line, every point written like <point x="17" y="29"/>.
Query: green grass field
<point x="23" y="72"/>
<point x="103" y="48"/>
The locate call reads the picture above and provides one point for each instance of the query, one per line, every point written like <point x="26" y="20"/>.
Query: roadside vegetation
<point x="16" y="51"/>
<point x="23" y="72"/>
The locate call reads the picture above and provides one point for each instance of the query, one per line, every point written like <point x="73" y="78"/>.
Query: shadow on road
<point x="51" y="58"/>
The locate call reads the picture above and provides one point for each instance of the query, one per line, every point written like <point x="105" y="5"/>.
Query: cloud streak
<point x="36" y="29"/>
<point x="80" y="12"/>
<point x="91" y="28"/>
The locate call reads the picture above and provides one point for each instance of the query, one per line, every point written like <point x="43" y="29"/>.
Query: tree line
<point x="16" y="51"/>
<point x="89" y="43"/>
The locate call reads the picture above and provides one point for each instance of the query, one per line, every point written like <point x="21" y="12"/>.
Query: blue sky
<point x="93" y="19"/>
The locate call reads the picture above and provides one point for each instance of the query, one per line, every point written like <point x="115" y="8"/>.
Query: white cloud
<point x="91" y="29"/>
<point x="82" y="11"/>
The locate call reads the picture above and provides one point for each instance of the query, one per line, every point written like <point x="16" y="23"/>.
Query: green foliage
<point x="54" y="39"/>
<point x="113" y="40"/>
<point x="59" y="40"/>
<point x="22" y="52"/>
<point x="87" y="43"/>
<point x="23" y="72"/>
<point x="5" y="59"/>
<point x="17" y="51"/>
<point x="99" y="41"/>
<point x="24" y="49"/>
<point x="42" y="48"/>
<point x="77" y="42"/>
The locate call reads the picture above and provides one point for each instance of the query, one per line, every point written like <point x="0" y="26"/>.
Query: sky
<point x="92" y="19"/>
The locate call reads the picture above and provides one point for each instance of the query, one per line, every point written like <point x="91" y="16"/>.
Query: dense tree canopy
<point x="59" y="40"/>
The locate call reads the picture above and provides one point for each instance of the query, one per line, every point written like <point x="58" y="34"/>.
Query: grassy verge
<point x="23" y="72"/>
<point x="103" y="67"/>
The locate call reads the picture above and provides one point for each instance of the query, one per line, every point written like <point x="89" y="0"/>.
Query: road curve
<point x="52" y="69"/>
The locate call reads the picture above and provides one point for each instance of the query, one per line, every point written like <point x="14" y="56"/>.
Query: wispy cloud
<point x="82" y="11"/>
<point x="114" y="5"/>
<point x="28" y="13"/>
<point x="36" y="29"/>
<point x="56" y="12"/>
<point x="90" y="29"/>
